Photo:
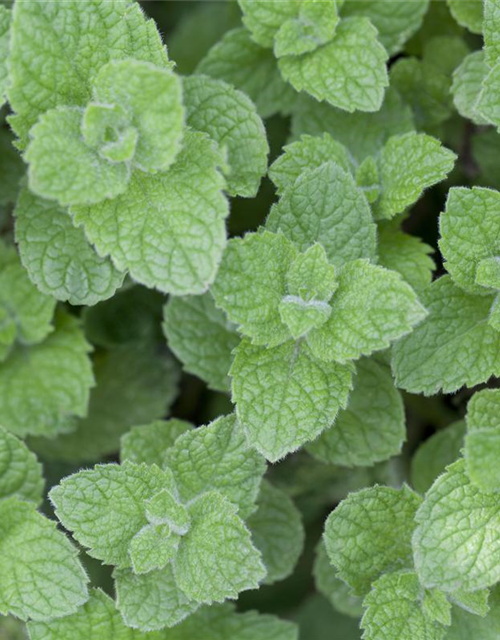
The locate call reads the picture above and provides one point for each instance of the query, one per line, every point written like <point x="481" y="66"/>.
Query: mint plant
<point x="249" y="320"/>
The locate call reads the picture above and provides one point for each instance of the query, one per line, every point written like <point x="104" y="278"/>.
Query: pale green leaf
<point x="104" y="507"/>
<point x="465" y="626"/>
<point x="148" y="443"/>
<point x="152" y="548"/>
<point x="349" y="72"/>
<point x="324" y="205"/>
<point x="20" y="471"/>
<point x="408" y="165"/>
<point x="371" y="308"/>
<point x="454" y="346"/>
<point x="166" y="229"/>
<point x="41" y="575"/>
<point x="369" y="534"/>
<point x="491" y="31"/>
<point x="164" y="509"/>
<point x="277" y="531"/>
<point x="487" y="103"/>
<point x="264" y="18"/>
<point x="251" y="282"/>
<point x="216" y="559"/>
<point x="202" y="337"/>
<point x="58" y="257"/>
<point x="466" y="87"/>
<point x="456" y="545"/>
<point x="482" y="442"/>
<point x="468" y="13"/>
<point x="372" y="427"/>
<point x="368" y="179"/>
<point x="483" y="410"/>
<point x="228" y="116"/>
<point x="284" y="396"/>
<point x="43" y="386"/>
<point x="475" y="602"/>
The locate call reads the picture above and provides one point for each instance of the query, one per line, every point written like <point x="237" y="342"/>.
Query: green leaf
<point x="104" y="507"/>
<point x="222" y="622"/>
<point x="63" y="168"/>
<point x="332" y="587"/>
<point x="455" y="544"/>
<point x="316" y="614"/>
<point x="228" y="116"/>
<point x="58" y="257"/>
<point x="368" y="179"/>
<point x="285" y="396"/>
<point x="464" y="626"/>
<point x="482" y="442"/>
<point x="239" y="61"/>
<point x="396" y="608"/>
<point x="277" y="531"/>
<point x="371" y="308"/>
<point x="34" y="556"/>
<point x="406" y="254"/>
<point x="164" y="509"/>
<point x="469" y="228"/>
<point x="435" y="454"/>
<point x="217" y="458"/>
<point x="152" y="548"/>
<point x="12" y="168"/>
<point x="151" y="601"/>
<point x="216" y="559"/>
<point x="363" y="134"/>
<point x="309" y="152"/>
<point x="482" y="410"/>
<point x="201" y="337"/>
<point x="148" y="443"/>
<point x="395" y="22"/>
<point x="50" y="63"/>
<point x="325" y="205"/>
<point x="323" y="73"/>
<point x="466" y="87"/>
<point x="5" y="20"/>
<point x="372" y="427"/>
<point x="98" y="619"/>
<point x="408" y="165"/>
<point x="43" y="386"/>
<point x="491" y="32"/>
<point x="454" y="346"/>
<point x="176" y="242"/>
<point x="264" y="19"/>
<point x="150" y="103"/>
<point x="20" y="471"/>
<point x="251" y="283"/>
<point x="487" y="103"/>
<point x="468" y="13"/>
<point x="369" y="534"/>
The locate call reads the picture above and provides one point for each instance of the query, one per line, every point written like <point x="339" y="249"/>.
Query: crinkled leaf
<point x="482" y="442"/>
<point x="487" y="103"/>
<point x="408" y="165"/>
<point x="369" y="534"/>
<point x="41" y="575"/>
<point x="483" y="410"/>
<point x="466" y="87"/>
<point x="202" y="337"/>
<point x="216" y="559"/>
<point x="20" y="471"/>
<point x="464" y="626"/>
<point x="454" y="346"/>
<point x="104" y="507"/>
<point x="491" y="31"/>
<point x="349" y="72"/>
<point x="277" y="531"/>
<point x="166" y="229"/>
<point x="284" y="396"/>
<point x="324" y="205"/>
<point x="148" y="443"/>
<point x="371" y="428"/>
<point x="153" y="547"/>
<point x="264" y="19"/>
<point x="58" y="257"/>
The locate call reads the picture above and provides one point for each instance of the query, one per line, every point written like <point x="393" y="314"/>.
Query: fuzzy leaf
<point x="41" y="575"/>
<point x="464" y="626"/>
<point x="166" y="229"/>
<point x="20" y="471"/>
<point x="482" y="442"/>
<point x="369" y="534"/>
<point x="467" y="81"/>
<point x="153" y="547"/>
<point x="148" y="443"/>
<point x="264" y="19"/>
<point x="284" y="396"/>
<point x="228" y="116"/>
<point x="58" y="257"/>
<point x="487" y="104"/>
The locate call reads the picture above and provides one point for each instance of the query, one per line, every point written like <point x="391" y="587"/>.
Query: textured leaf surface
<point x="216" y="559"/>
<point x="324" y="205"/>
<point x="277" y="531"/>
<point x="148" y="443"/>
<point x="286" y="397"/>
<point x="467" y="81"/>
<point x="264" y="19"/>
<point x="371" y="428"/>
<point x="217" y="458"/>
<point x="44" y="385"/>
<point x="323" y="73"/>
<point x="454" y="346"/>
<point x="491" y="32"/>
<point x="20" y="471"/>
<point x="202" y="337"/>
<point x="408" y="165"/>
<point x="371" y="308"/>
<point x="41" y="575"/>
<point x="166" y="229"/>
<point x="104" y="509"/>
<point x="153" y="547"/>
<point x="58" y="257"/>
<point x="482" y="442"/>
<point x="464" y="626"/>
<point x="228" y="116"/>
<point x="456" y="544"/>
<point x="369" y="533"/>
